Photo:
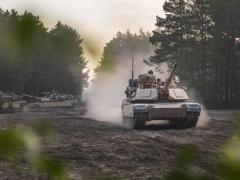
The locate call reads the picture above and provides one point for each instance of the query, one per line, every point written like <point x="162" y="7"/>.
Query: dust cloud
<point x="104" y="97"/>
<point x="204" y="118"/>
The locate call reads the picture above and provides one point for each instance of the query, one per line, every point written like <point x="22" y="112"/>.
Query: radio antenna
<point x="132" y="68"/>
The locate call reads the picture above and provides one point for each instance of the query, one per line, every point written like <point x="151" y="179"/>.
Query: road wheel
<point x="188" y="122"/>
<point x="140" y="120"/>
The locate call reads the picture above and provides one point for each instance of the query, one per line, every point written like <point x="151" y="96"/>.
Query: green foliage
<point x="183" y="165"/>
<point x="42" y="128"/>
<point x="34" y="59"/>
<point x="11" y="141"/>
<point x="14" y="140"/>
<point x="201" y="36"/>
<point x="50" y="169"/>
<point x="66" y="60"/>
<point x="227" y="165"/>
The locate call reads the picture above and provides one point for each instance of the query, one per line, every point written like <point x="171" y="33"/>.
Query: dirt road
<point x="93" y="149"/>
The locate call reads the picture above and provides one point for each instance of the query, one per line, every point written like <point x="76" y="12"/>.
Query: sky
<point x="97" y="21"/>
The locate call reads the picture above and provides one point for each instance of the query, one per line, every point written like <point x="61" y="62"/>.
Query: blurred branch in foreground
<point x="16" y="141"/>
<point x="227" y="166"/>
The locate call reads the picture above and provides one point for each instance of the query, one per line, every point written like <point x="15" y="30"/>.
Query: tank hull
<point x="54" y="104"/>
<point x="179" y="114"/>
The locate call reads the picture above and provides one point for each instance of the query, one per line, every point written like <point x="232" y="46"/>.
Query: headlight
<point x="192" y="107"/>
<point x="140" y="107"/>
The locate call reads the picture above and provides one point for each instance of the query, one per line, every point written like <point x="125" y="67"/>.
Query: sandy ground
<point x="92" y="149"/>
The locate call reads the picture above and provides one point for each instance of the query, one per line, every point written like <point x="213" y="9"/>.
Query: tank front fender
<point x="192" y="107"/>
<point x="140" y="109"/>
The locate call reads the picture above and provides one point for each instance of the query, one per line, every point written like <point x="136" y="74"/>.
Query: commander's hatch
<point x="146" y="95"/>
<point x="178" y="94"/>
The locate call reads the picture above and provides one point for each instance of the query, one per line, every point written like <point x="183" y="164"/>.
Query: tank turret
<point x="149" y="88"/>
<point x="149" y="98"/>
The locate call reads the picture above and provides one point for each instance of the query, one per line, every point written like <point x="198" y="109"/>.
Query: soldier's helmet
<point x="150" y="72"/>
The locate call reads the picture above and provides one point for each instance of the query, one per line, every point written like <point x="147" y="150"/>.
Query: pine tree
<point x="34" y="60"/>
<point x="226" y="16"/>
<point x="122" y="48"/>
<point x="202" y="36"/>
<point x="171" y="32"/>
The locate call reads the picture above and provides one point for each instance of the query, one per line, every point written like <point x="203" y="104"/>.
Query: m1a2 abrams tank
<point x="148" y="98"/>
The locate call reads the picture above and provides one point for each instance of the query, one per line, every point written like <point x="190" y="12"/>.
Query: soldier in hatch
<point x="147" y="80"/>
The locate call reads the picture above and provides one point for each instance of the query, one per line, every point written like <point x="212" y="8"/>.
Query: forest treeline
<point x="34" y="59"/>
<point x="203" y="38"/>
<point x="122" y="48"/>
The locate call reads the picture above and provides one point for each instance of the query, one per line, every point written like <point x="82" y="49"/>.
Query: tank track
<point x="140" y="120"/>
<point x="189" y="121"/>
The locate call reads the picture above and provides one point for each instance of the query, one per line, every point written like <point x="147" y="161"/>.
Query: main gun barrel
<point x="169" y="80"/>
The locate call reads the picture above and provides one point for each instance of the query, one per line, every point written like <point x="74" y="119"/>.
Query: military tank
<point x="148" y="99"/>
